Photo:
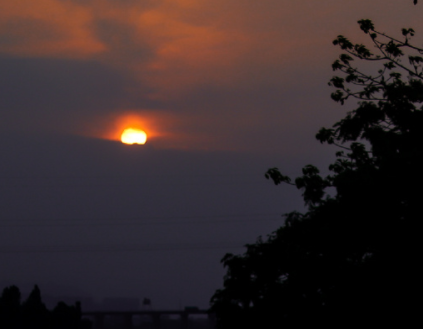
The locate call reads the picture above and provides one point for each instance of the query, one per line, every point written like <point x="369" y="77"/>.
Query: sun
<point x="133" y="136"/>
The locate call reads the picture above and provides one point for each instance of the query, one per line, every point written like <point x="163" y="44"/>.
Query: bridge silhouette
<point x="152" y="319"/>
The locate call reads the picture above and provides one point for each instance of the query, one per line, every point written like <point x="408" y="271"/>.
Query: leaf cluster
<point x="385" y="126"/>
<point x="353" y="254"/>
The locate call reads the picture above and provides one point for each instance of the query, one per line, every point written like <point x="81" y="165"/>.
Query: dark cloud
<point x="57" y="94"/>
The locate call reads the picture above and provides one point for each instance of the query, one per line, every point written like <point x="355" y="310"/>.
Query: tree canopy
<point x="33" y="314"/>
<point x="353" y="257"/>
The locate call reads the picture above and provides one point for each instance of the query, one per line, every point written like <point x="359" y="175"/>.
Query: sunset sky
<point x="224" y="89"/>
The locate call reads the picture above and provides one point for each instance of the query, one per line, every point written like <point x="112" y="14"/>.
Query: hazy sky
<point x="225" y="89"/>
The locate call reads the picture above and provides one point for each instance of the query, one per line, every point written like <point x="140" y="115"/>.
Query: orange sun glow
<point x="133" y="136"/>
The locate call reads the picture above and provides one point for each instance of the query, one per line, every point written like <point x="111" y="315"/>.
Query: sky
<point x="224" y="89"/>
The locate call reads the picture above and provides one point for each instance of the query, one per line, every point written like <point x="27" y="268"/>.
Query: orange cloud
<point x="174" y="47"/>
<point x="48" y="28"/>
<point x="176" y="42"/>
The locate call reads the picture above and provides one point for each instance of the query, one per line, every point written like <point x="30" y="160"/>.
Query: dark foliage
<point x="354" y="257"/>
<point x="33" y="314"/>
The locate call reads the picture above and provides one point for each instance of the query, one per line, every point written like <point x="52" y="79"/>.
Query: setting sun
<point x="133" y="136"/>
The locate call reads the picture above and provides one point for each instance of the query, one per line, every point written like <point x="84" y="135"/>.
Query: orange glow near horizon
<point x="133" y="136"/>
<point x="163" y="129"/>
<point x="111" y="127"/>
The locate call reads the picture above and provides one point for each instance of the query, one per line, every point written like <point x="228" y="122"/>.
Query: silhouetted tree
<point x="69" y="317"/>
<point x="353" y="257"/>
<point x="33" y="314"/>
<point x="10" y="302"/>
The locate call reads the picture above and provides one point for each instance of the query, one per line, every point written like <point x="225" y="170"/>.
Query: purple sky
<point x="224" y="89"/>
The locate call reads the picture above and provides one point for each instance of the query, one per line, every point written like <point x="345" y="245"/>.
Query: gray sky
<point x="224" y="90"/>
